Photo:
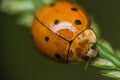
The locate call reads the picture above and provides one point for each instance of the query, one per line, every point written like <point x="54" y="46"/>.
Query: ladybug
<point x="61" y="31"/>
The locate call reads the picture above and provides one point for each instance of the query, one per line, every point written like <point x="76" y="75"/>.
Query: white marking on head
<point x="90" y="35"/>
<point x="80" y="36"/>
<point x="62" y="26"/>
<point x="90" y="52"/>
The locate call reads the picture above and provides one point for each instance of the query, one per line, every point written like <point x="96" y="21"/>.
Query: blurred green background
<point x="20" y="60"/>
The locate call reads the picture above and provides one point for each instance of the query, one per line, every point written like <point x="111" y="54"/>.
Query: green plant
<point x="107" y="59"/>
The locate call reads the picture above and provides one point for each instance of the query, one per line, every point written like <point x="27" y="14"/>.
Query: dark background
<point x="19" y="59"/>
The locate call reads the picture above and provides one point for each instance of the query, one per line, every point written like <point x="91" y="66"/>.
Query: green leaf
<point x="103" y="63"/>
<point x="107" y="54"/>
<point x="112" y="74"/>
<point x="17" y="6"/>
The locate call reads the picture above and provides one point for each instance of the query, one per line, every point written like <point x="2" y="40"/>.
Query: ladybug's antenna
<point x="87" y="64"/>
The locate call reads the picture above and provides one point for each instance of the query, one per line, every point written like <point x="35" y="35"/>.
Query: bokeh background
<point x="20" y="60"/>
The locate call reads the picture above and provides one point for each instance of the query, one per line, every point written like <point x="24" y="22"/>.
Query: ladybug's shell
<point x="64" y="11"/>
<point x="56" y="45"/>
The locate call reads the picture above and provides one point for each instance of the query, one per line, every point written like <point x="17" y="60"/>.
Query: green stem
<point x="105" y="53"/>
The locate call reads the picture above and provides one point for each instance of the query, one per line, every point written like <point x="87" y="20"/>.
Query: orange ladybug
<point x="62" y="32"/>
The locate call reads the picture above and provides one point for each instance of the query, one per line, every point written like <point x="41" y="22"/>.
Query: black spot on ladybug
<point x="93" y="46"/>
<point x="52" y="4"/>
<point x="46" y="38"/>
<point x="74" y="9"/>
<point x="56" y="22"/>
<point x="86" y="58"/>
<point x="78" y="22"/>
<point x="57" y="56"/>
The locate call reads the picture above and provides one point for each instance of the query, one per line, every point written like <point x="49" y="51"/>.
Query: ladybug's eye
<point x="74" y="9"/>
<point x="78" y="22"/>
<point x="93" y="46"/>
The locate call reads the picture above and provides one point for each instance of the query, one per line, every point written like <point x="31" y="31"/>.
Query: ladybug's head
<point x="83" y="47"/>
